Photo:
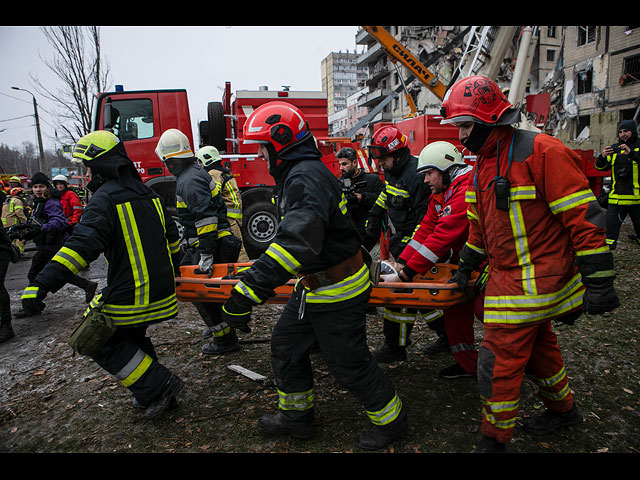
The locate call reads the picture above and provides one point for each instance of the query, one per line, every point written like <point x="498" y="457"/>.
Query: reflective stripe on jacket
<point x="137" y="239"/>
<point x="552" y="216"/>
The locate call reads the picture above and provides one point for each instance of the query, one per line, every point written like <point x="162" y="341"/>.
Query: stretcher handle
<point x="389" y="285"/>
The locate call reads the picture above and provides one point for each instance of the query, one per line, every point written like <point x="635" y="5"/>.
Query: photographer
<point x="361" y="190"/>
<point x="622" y="158"/>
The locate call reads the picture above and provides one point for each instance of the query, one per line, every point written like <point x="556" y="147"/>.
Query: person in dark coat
<point x="47" y="228"/>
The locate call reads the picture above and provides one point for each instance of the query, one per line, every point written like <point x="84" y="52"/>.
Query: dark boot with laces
<point x="296" y="424"/>
<point x="165" y="398"/>
<point x="489" y="445"/>
<point x="390" y="354"/>
<point x="550" y="421"/>
<point x="379" y="437"/>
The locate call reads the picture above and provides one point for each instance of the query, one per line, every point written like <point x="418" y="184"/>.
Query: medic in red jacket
<point x="441" y="235"/>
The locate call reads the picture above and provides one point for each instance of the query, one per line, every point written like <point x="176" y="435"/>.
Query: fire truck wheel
<point x="259" y="224"/>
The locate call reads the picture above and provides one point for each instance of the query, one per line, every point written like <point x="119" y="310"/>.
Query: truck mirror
<point x="107" y="115"/>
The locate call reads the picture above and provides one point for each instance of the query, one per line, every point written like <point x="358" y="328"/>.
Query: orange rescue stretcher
<point x="426" y="291"/>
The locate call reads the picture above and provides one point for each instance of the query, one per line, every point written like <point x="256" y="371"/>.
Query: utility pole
<point x="40" y="147"/>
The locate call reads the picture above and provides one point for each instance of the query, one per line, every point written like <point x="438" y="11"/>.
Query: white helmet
<point x="439" y="155"/>
<point x="173" y="144"/>
<point x="60" y="178"/>
<point x="208" y="155"/>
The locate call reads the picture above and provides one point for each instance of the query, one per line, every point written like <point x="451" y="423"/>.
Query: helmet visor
<point x="376" y="152"/>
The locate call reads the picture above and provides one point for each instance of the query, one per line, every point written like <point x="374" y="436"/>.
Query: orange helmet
<point x="15" y="191"/>
<point x="278" y="123"/>
<point x="477" y="99"/>
<point x="386" y="140"/>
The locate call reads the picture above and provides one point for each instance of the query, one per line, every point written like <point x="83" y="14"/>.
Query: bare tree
<point x="84" y="73"/>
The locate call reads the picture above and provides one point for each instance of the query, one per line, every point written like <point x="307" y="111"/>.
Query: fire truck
<point x="138" y="118"/>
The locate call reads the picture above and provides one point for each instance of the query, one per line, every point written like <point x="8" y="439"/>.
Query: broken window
<point x="584" y="80"/>
<point x="630" y="70"/>
<point x="586" y="35"/>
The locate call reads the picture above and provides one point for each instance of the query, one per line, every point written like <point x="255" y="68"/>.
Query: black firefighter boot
<point x="166" y="399"/>
<point x="390" y="353"/>
<point x="6" y="331"/>
<point x="287" y="422"/>
<point x="224" y="344"/>
<point x="381" y="436"/>
<point x="550" y="421"/>
<point x="442" y="344"/>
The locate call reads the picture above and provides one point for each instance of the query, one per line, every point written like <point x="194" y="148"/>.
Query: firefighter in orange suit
<point x="442" y="233"/>
<point x="534" y="218"/>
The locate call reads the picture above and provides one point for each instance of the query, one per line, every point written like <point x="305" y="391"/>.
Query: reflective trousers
<point x="458" y="322"/>
<point x="130" y="357"/>
<point x="614" y="217"/>
<point x="506" y="355"/>
<point x="397" y="324"/>
<point x="341" y="336"/>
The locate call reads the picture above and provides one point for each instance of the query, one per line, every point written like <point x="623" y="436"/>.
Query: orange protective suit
<point x="552" y="216"/>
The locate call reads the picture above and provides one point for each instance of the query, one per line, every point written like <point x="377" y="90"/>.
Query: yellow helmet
<point x="93" y="145"/>
<point x="208" y="155"/>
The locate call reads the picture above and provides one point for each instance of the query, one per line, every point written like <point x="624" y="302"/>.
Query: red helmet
<point x="477" y="99"/>
<point x="279" y="123"/>
<point x="386" y="140"/>
<point x="15" y="191"/>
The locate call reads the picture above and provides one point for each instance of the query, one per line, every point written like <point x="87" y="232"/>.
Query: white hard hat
<point x="208" y="155"/>
<point x="60" y="178"/>
<point x="440" y="155"/>
<point x="173" y="144"/>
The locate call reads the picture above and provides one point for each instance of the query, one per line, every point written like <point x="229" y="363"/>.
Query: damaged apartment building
<point x="589" y="74"/>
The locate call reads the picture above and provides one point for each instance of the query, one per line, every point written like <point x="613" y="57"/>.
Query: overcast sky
<point x="198" y="58"/>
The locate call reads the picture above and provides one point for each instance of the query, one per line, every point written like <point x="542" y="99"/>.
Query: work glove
<point x="32" y="298"/>
<point x="205" y="266"/>
<point x="470" y="260"/>
<point x="372" y="226"/>
<point x="599" y="296"/>
<point x="598" y="274"/>
<point x="236" y="311"/>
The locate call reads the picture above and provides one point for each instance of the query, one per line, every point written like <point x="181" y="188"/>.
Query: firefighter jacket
<point x="314" y="234"/>
<point x="625" y="173"/>
<point x="13" y="212"/>
<point x="138" y="239"/>
<point x="71" y="205"/>
<point x="551" y="221"/>
<point x="201" y="210"/>
<point x="444" y="228"/>
<point x="405" y="196"/>
<point x="227" y="186"/>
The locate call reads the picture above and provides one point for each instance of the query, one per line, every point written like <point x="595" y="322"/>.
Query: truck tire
<point x="217" y="126"/>
<point x="259" y="225"/>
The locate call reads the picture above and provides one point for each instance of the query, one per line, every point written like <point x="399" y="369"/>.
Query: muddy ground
<point x="54" y="402"/>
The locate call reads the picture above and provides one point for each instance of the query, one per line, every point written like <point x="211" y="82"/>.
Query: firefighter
<point x="203" y="214"/>
<point x="622" y="158"/>
<point x="361" y="189"/>
<point x="127" y="222"/>
<point x="13" y="213"/>
<point x="534" y="217"/>
<point x="318" y="242"/>
<point x="71" y="204"/>
<point x="404" y="201"/>
<point x="444" y="229"/>
<point x="226" y="184"/>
